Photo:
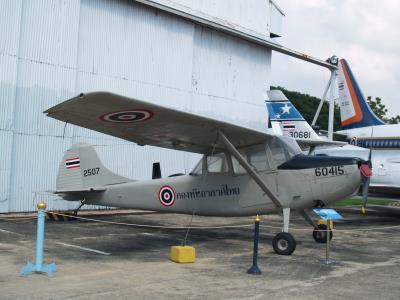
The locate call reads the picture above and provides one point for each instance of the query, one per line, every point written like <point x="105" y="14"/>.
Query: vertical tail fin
<point x="286" y="119"/>
<point x="82" y="169"/>
<point x="354" y="109"/>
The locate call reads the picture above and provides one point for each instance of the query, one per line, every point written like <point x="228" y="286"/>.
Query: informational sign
<point x="327" y="213"/>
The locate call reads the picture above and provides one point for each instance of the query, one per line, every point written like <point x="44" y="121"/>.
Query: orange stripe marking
<point x="358" y="116"/>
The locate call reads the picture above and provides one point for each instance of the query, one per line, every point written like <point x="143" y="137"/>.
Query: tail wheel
<point x="284" y="243"/>
<point x="319" y="234"/>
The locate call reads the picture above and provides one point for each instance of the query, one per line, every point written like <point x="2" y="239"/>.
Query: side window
<point x="237" y="168"/>
<point x="256" y="156"/>
<point x="217" y="163"/>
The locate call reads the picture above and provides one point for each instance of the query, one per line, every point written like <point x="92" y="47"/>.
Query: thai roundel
<point x="127" y="116"/>
<point x="166" y="195"/>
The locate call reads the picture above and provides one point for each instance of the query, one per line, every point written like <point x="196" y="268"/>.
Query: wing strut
<point x="234" y="152"/>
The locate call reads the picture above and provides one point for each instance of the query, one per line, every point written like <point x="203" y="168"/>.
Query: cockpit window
<point x="255" y="156"/>
<point x="217" y="163"/>
<point x="283" y="149"/>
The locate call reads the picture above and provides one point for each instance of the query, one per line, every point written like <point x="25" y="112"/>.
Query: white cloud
<point x="365" y="33"/>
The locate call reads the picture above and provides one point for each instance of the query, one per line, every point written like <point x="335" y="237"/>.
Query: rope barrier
<point x="222" y="226"/>
<point x="336" y="230"/>
<point x="156" y="226"/>
<point x="17" y="218"/>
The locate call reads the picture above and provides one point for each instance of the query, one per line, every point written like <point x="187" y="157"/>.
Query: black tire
<point x="284" y="243"/>
<point x="319" y="234"/>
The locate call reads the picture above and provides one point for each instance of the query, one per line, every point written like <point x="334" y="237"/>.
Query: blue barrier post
<point x="39" y="267"/>
<point x="254" y="269"/>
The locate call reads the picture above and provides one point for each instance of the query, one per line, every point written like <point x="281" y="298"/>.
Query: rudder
<point x="354" y="109"/>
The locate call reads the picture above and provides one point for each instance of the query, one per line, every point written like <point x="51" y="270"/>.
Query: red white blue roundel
<point x="127" y="116"/>
<point x="166" y="195"/>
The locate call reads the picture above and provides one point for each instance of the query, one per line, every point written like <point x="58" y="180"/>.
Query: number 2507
<point x="90" y="172"/>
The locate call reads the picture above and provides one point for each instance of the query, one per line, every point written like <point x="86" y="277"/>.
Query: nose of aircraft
<point x="311" y="161"/>
<point x="335" y="177"/>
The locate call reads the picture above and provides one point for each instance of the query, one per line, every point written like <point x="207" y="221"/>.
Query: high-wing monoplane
<point x="243" y="172"/>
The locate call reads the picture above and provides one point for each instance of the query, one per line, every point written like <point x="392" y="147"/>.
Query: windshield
<point x="198" y="169"/>
<point x="283" y="148"/>
<point x="293" y="147"/>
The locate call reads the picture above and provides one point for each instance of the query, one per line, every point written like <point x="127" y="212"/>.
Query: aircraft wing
<point x="337" y="136"/>
<point x="150" y="124"/>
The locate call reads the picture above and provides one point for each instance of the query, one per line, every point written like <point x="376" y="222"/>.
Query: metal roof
<point x="215" y="23"/>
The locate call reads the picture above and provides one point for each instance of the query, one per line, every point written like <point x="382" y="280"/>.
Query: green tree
<point x="377" y="107"/>
<point x="394" y="120"/>
<point x="380" y="110"/>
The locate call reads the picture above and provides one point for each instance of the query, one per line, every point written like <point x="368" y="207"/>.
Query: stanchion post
<point x="39" y="267"/>
<point x="328" y="225"/>
<point x="254" y="269"/>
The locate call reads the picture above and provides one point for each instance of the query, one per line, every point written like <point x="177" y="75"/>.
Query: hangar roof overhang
<point x="231" y="29"/>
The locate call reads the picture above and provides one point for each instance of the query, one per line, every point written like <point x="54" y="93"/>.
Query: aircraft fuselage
<point x="228" y="194"/>
<point x="384" y="143"/>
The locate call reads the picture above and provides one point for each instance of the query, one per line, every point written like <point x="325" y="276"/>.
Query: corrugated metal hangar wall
<point x="53" y="50"/>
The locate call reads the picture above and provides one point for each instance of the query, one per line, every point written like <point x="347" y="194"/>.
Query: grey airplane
<point x="243" y="172"/>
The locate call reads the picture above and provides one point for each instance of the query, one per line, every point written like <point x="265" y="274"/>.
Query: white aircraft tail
<point x="81" y="170"/>
<point x="354" y="109"/>
<point x="286" y="119"/>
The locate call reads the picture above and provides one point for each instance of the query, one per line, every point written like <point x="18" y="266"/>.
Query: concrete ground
<point x="133" y="263"/>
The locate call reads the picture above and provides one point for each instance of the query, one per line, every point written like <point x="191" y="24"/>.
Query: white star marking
<point x="278" y="116"/>
<point x="286" y="109"/>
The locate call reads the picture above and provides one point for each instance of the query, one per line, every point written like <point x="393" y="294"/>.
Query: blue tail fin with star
<point x="286" y="119"/>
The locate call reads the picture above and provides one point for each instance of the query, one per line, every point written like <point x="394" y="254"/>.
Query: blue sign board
<point x="327" y="213"/>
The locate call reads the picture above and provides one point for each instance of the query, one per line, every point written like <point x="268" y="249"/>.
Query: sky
<point x="364" y="32"/>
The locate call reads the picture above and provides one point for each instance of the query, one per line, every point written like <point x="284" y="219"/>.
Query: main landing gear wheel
<point x="284" y="243"/>
<point x="319" y="234"/>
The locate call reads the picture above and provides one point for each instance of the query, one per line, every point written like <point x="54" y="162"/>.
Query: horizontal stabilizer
<point x="86" y="190"/>
<point x="319" y="142"/>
